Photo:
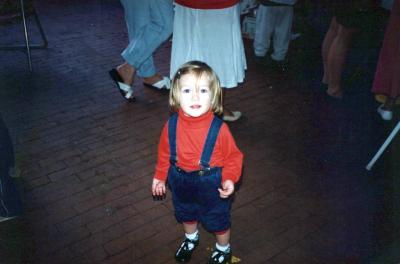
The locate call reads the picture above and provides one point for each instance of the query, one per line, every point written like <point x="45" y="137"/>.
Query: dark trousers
<point x="196" y="198"/>
<point x="10" y="203"/>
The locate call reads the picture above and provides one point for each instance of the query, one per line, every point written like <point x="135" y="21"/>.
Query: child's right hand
<point x="158" y="187"/>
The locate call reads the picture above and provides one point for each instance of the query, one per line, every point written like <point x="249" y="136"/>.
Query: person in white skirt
<point x="210" y="31"/>
<point x="273" y="23"/>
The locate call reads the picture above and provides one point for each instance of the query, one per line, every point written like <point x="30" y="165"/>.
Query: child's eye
<point x="203" y="90"/>
<point x="185" y="90"/>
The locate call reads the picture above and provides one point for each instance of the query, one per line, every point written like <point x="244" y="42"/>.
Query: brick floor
<point x="87" y="157"/>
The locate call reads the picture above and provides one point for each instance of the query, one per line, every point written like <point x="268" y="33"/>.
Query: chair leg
<point x="383" y="147"/>
<point x="28" y="46"/>
<point x="44" y="44"/>
<point x="28" y="51"/>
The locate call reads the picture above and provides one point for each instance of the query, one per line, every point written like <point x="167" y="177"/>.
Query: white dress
<point x="212" y="36"/>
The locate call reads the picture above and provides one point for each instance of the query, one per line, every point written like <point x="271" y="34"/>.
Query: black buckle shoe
<point x="184" y="252"/>
<point x="220" y="257"/>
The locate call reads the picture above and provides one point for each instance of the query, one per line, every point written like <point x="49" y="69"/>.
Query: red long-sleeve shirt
<point x="207" y="4"/>
<point x="191" y="133"/>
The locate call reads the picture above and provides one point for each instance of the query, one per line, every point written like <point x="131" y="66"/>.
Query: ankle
<point x="224" y="248"/>
<point x="153" y="79"/>
<point x="389" y="103"/>
<point x="334" y="88"/>
<point x="127" y="73"/>
<point x="387" y="107"/>
<point x="334" y="91"/>
<point x="227" y="112"/>
<point x="193" y="236"/>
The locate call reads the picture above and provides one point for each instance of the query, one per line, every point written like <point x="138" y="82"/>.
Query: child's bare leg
<point x="223" y="239"/>
<point x="185" y="250"/>
<point x="190" y="228"/>
<point x="222" y="252"/>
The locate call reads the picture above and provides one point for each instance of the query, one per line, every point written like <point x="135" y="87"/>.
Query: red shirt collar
<point x="195" y="122"/>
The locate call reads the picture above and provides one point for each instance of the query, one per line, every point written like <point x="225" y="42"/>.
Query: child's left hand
<point x="228" y="187"/>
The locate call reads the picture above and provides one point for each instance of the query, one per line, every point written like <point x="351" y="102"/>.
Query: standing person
<point x="209" y="31"/>
<point x="349" y="18"/>
<point x="274" y="20"/>
<point x="198" y="156"/>
<point x="387" y="76"/>
<point x="149" y="25"/>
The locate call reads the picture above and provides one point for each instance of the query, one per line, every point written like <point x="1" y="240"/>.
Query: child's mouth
<point x="195" y="106"/>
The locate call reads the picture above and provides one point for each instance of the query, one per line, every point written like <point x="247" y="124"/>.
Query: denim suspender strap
<point x="172" y="122"/>
<point x="210" y="143"/>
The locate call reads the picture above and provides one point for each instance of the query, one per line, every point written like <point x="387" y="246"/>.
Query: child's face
<point x="195" y="95"/>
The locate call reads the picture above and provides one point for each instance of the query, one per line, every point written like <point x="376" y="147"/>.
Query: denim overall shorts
<point x="195" y="194"/>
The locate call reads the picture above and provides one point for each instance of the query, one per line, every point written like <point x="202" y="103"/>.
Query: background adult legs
<point x="149" y="24"/>
<point x="264" y="29"/>
<point x="282" y="32"/>
<point x="336" y="59"/>
<point x="326" y="45"/>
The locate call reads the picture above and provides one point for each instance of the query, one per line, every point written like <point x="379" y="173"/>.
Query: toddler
<point x="198" y="157"/>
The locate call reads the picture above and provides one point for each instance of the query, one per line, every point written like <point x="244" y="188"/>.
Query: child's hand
<point x="228" y="187"/>
<point x="158" y="188"/>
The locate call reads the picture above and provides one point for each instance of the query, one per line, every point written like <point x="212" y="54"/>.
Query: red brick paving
<point x="87" y="156"/>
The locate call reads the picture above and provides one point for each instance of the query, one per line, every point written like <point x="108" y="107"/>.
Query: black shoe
<point x="220" y="257"/>
<point x="281" y="66"/>
<point x="124" y="89"/>
<point x="184" y="252"/>
<point x="264" y="61"/>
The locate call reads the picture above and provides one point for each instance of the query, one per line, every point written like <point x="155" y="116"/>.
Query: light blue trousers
<point x="273" y="22"/>
<point x="149" y="24"/>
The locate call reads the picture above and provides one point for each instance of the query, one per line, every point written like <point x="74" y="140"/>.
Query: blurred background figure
<point x="274" y="20"/>
<point x="149" y="24"/>
<point x="387" y="76"/>
<point x="10" y="203"/>
<point x="349" y="18"/>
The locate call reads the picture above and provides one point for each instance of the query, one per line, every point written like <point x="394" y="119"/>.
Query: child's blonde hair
<point x="198" y="69"/>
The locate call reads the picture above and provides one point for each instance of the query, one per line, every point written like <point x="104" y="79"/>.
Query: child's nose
<point x="195" y="95"/>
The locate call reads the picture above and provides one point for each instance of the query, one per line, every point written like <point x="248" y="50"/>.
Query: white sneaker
<point x="385" y="114"/>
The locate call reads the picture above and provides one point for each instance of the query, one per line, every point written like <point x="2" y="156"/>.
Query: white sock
<point x="225" y="249"/>
<point x="193" y="236"/>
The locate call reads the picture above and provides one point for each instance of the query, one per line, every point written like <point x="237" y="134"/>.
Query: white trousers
<point x="273" y="23"/>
